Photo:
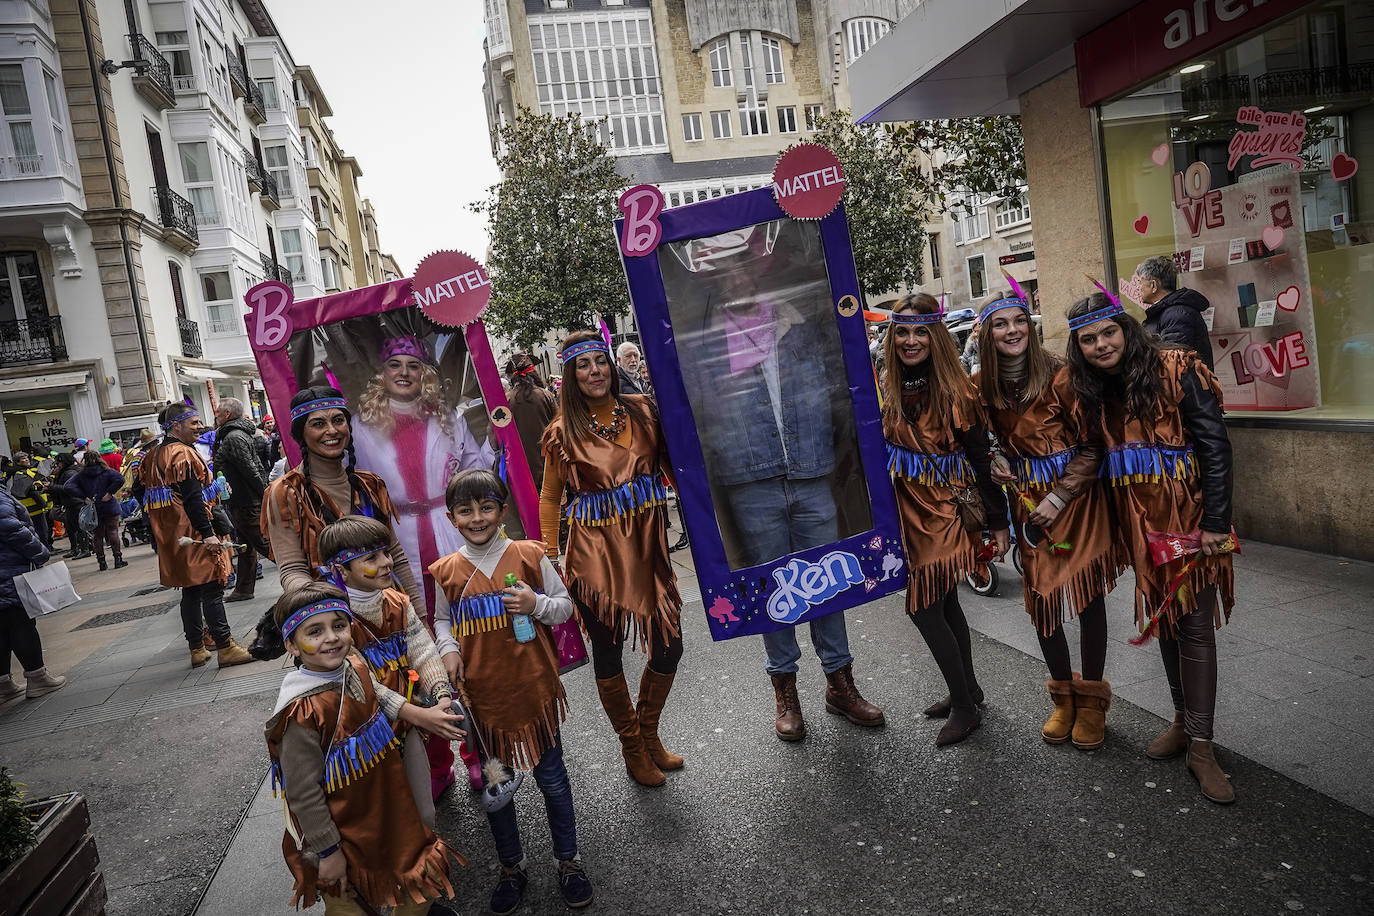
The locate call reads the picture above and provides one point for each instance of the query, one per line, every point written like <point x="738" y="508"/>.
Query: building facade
<point x="152" y="169"/>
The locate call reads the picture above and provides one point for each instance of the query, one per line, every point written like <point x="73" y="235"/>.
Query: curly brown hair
<point x="1139" y="365"/>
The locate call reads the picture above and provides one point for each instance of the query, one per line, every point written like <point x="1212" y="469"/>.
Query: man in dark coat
<point x="632" y="380"/>
<point x="1172" y="313"/>
<point x="236" y="457"/>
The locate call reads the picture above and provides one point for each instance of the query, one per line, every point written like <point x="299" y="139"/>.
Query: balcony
<point x="253" y="104"/>
<point x="178" y="219"/>
<point x="253" y="167"/>
<point x="1219" y="93"/>
<point x="271" y="196"/>
<point x="238" y="80"/>
<point x="274" y="271"/>
<point x="21" y="166"/>
<point x="153" y="82"/>
<point x="32" y="340"/>
<point x="1325" y="84"/>
<point x="190" y="338"/>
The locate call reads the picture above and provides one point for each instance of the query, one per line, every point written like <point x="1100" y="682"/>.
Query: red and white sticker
<point x="808" y="181"/>
<point x="452" y="288"/>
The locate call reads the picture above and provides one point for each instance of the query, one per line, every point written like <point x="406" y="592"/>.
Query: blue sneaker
<point x="574" y="883"/>
<point x="509" y="889"/>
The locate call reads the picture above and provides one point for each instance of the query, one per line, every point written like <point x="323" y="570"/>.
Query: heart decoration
<point x="1160" y="154"/>
<point x="1142" y="224"/>
<point x="1343" y="166"/>
<point x="1272" y="236"/>
<point x="1223" y="341"/>
<point x="1290" y="298"/>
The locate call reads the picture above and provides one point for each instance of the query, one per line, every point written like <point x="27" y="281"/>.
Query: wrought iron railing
<point x="253" y="103"/>
<point x="175" y="212"/>
<point x="238" y="80"/>
<point x="158" y="69"/>
<point x="1315" y="83"/>
<point x="269" y="186"/>
<point x="32" y="340"/>
<point x="1215" y="93"/>
<point x="275" y="271"/>
<point x="190" y="337"/>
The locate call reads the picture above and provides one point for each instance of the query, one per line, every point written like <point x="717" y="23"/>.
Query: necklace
<point x="612" y="430"/>
<point x="913" y="384"/>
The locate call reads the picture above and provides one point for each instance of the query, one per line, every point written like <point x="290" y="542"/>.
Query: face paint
<point x="369" y="570"/>
<point x="309" y="646"/>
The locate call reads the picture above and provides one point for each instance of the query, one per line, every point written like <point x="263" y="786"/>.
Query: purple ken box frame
<point x="810" y="583"/>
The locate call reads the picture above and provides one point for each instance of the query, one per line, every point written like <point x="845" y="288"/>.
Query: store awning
<point x="958" y="58"/>
<point x="202" y="375"/>
<point x="31" y="383"/>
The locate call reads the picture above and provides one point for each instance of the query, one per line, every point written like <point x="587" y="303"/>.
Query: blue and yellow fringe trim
<point x="479" y="614"/>
<point x="386" y="654"/>
<point x="161" y="497"/>
<point x="1140" y="462"/>
<point x="350" y="758"/>
<point x="1041" y="470"/>
<point x="930" y="470"/>
<point x="606" y="507"/>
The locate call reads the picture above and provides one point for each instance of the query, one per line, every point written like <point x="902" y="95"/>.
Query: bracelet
<point x="328" y="851"/>
<point x="1056" y="501"/>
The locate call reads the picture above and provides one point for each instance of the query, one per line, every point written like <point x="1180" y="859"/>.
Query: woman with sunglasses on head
<point x="1168" y="465"/>
<point x="1068" y="549"/>
<point x="937" y="447"/>
<point x="607" y="450"/>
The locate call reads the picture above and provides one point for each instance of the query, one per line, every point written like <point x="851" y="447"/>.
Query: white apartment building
<point x="968" y="247"/>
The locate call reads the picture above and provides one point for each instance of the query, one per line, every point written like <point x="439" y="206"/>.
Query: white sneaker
<point x="9" y="690"/>
<point x="40" y="683"/>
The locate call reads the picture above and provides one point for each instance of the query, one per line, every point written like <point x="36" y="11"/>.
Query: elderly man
<point x="1172" y="313"/>
<point x="632" y="375"/>
<point x="236" y="457"/>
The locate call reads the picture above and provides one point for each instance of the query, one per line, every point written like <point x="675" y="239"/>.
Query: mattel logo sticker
<point x="451" y="288"/>
<point x="803" y="585"/>
<point x="808" y="181"/>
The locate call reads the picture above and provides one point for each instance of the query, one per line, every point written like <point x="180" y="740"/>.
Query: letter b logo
<point x="641" y="233"/>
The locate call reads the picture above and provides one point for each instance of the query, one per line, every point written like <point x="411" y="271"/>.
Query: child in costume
<point x="389" y="635"/>
<point x="352" y="828"/>
<point x="511" y="682"/>
<point x="1169" y="468"/>
<point x="1068" y="547"/>
<point x="937" y="450"/>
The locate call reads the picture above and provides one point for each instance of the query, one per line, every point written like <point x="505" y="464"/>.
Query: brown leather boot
<point x="233" y="654"/>
<point x="615" y="699"/>
<point x="653" y="693"/>
<point x="1060" y="723"/>
<point x="789" y="726"/>
<point x="842" y="697"/>
<point x="200" y="656"/>
<point x="1202" y="763"/>
<point x="1091" y="700"/>
<point x="1171" y="742"/>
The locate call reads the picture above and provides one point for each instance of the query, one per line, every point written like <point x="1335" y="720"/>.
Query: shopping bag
<point x="88" y="518"/>
<point x="572" y="651"/>
<point x="46" y="589"/>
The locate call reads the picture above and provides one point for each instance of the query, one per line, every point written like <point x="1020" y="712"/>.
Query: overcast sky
<point x="405" y="81"/>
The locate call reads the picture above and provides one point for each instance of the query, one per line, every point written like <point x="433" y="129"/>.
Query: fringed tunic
<point x="516" y="694"/>
<point x="392" y="857"/>
<point x="617" y="556"/>
<point x="383" y="646"/>
<point x="1049" y="453"/>
<point x="162" y="474"/>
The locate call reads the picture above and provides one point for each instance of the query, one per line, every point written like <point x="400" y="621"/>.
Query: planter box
<point x="61" y="875"/>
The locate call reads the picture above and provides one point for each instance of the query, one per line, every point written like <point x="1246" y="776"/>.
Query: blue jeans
<point x="779" y="516"/>
<point x="552" y="778"/>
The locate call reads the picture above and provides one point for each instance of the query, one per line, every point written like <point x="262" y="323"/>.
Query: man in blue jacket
<point x="1172" y="313"/>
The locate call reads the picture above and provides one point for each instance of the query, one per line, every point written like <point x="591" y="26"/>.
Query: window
<point x="268" y="88"/>
<point x="1012" y="212"/>
<point x="679" y="193"/>
<point x="720" y="62"/>
<point x="691" y="127"/>
<point x="295" y="257"/>
<point x="14" y="99"/>
<point x="787" y="119"/>
<point x="199" y="178"/>
<point x="814" y="113"/>
<point x="772" y="61"/>
<point x="312" y="151"/>
<point x="176" y="47"/>
<point x="720" y="125"/>
<point x="57" y="114"/>
<point x="329" y="269"/>
<point x="320" y="209"/>
<point x="21" y="288"/>
<point x="970" y="220"/>
<point x="602" y="65"/>
<point x="753" y="118"/>
<point x="977" y="278"/>
<point x="178" y="295"/>
<point x="218" y="294"/>
<point x="935" y="256"/>
<point x="278" y="163"/>
<point x="860" y="34"/>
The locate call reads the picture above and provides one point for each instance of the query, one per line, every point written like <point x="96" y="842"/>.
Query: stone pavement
<point x="845" y="822"/>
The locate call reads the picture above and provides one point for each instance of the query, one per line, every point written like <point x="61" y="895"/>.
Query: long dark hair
<point x="1139" y="365"/>
<point x="355" y="485"/>
<point x="572" y="403"/>
<point x="946" y="379"/>
<point x="524" y="373"/>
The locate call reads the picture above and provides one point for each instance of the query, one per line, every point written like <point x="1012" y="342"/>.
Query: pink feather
<point x="1015" y="287"/>
<point x="1106" y="292"/>
<point x="331" y="377"/>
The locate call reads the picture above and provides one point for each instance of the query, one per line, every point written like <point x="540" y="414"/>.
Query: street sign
<point x="1006" y="259"/>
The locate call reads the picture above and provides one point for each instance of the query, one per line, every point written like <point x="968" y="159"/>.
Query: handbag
<point x="567" y="638"/>
<point x="46" y="589"/>
<point x="88" y="519"/>
<point x="968" y="505"/>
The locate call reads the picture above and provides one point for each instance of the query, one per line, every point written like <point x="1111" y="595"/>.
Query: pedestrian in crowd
<point x="179" y="496"/>
<point x="236" y="457"/>
<point x="532" y="406"/>
<point x="389" y="633"/>
<point x="607" y="449"/>
<point x="129" y="468"/>
<point x="1069" y="552"/>
<point x="938" y="454"/>
<point x="48" y="466"/>
<point x="269" y="443"/>
<point x="109" y="453"/>
<point x="31" y="489"/>
<point x="629" y="368"/>
<point x="1172" y="313"/>
<point x="20" y="551"/>
<point x="353" y="833"/>
<point x="70" y="501"/>
<point x="98" y="485"/>
<point x="1170" y="471"/>
<point x="512" y="684"/>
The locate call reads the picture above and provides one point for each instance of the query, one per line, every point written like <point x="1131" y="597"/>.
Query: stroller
<point x="135" y="530"/>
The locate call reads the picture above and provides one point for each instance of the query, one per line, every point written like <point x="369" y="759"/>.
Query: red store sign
<point x="1149" y="40"/>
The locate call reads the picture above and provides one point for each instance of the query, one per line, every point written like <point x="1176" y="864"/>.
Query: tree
<point x="553" y="260"/>
<point x="975" y="156"/>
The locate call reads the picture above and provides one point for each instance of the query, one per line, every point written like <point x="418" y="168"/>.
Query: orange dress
<point x="161" y="473"/>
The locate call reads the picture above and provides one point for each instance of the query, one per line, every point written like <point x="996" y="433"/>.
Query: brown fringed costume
<point x="288" y="501"/>
<point x="516" y="694"/>
<point x="162" y="472"/>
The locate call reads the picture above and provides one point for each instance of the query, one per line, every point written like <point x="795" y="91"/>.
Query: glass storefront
<point x="1243" y="165"/>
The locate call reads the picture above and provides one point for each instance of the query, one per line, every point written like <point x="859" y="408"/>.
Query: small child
<point x="391" y="637"/>
<point x="352" y="828"/>
<point x="513" y="688"/>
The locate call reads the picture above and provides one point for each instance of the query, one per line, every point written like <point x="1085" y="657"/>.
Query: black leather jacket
<point x="1202" y="418"/>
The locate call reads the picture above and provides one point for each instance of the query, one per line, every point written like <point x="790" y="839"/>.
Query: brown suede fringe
<point x="299" y="513"/>
<point x="522" y="747"/>
<point x="426" y="880"/>
<point x="1097" y="577"/>
<point x="930" y="582"/>
<point x="665" y="619"/>
<point x="1215" y="571"/>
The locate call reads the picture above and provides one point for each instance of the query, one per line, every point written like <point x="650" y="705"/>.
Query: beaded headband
<point x="1006" y="302"/>
<point x="586" y="346"/>
<point x="405" y="345"/>
<point x="349" y="554"/>
<point x="301" y="410"/>
<point x="1108" y="311"/>
<point x="173" y="421"/>
<point x="310" y="610"/>
<point x="918" y="317"/>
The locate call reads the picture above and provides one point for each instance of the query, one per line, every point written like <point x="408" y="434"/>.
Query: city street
<point x="848" y="821"/>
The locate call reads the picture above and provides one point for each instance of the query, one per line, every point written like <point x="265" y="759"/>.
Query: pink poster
<point x="1244" y="248"/>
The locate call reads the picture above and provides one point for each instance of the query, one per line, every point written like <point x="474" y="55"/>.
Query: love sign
<point x="1275" y="359"/>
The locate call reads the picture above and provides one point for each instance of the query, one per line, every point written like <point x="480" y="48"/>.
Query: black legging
<point x="1190" y="663"/>
<point x="607" y="646"/>
<point x="204" y="605"/>
<point x="1092" y="643"/>
<point x="76" y="538"/>
<point x="945" y="630"/>
<point x="19" y="636"/>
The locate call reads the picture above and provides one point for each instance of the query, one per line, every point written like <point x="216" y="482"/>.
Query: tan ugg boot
<point x="200" y="656"/>
<point x="1060" y="723"/>
<point x="653" y="693"/>
<point x="1171" y="742"/>
<point x="1202" y="763"/>
<point x="233" y="654"/>
<point x="39" y="682"/>
<point x="1091" y="700"/>
<point x="615" y="699"/>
